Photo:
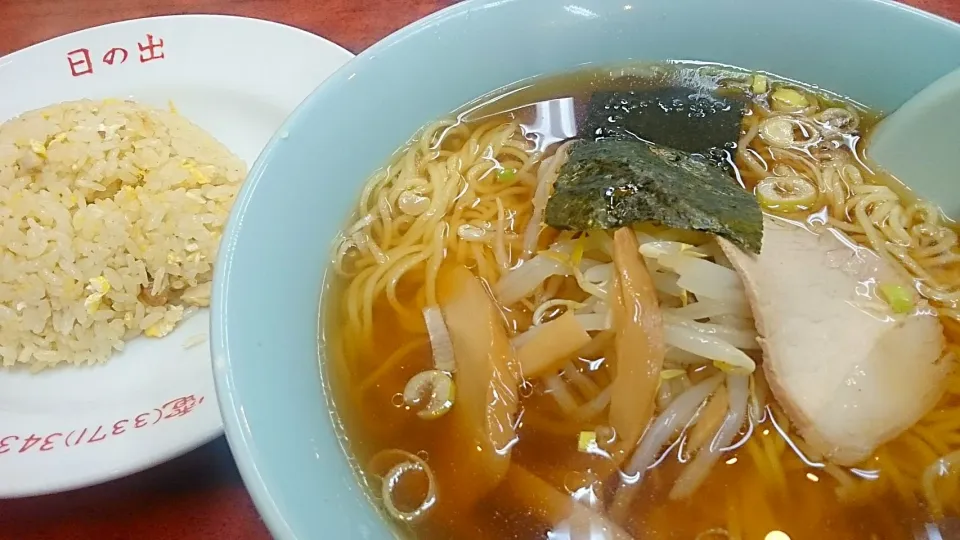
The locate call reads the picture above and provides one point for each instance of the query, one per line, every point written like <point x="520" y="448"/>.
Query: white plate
<point x="238" y="79"/>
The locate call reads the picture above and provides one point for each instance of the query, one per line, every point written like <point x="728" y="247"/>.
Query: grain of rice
<point x="194" y="340"/>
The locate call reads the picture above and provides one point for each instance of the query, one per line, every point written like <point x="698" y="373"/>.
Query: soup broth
<point x="464" y="191"/>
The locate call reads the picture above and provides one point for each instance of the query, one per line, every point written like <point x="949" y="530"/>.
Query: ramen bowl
<point x="268" y="361"/>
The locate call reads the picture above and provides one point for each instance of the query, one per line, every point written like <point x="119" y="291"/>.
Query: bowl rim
<point x="237" y="434"/>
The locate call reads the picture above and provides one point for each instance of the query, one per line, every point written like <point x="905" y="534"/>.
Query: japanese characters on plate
<point x="82" y="63"/>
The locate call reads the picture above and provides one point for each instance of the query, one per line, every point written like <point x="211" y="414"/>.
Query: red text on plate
<point x="151" y="48"/>
<point x="174" y="408"/>
<point x="29" y="443"/>
<point x="49" y="441"/>
<point x="111" y="56"/>
<point x="79" y="61"/>
<point x="97" y="435"/>
<point x="5" y="443"/>
<point x="66" y="440"/>
<point x="181" y="406"/>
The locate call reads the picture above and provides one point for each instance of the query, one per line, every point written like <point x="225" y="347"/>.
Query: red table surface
<point x="199" y="495"/>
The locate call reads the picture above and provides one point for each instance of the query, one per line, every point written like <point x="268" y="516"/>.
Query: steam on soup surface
<point x="659" y="301"/>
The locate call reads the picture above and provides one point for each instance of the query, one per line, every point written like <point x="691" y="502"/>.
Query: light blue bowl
<point x="305" y="183"/>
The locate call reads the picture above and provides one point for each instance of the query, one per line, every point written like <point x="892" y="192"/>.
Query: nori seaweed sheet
<point x="689" y="119"/>
<point x="608" y="184"/>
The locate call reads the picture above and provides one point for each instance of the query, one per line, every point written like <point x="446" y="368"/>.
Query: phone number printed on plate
<point x="45" y="442"/>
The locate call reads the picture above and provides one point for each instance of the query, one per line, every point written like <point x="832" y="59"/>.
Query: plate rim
<point x="180" y="16"/>
<point x="140" y="462"/>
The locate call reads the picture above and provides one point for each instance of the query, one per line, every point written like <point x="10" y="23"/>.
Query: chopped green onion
<point x="759" y="84"/>
<point x="727" y="367"/>
<point x="409" y="464"/>
<point x="435" y="384"/>
<point x="578" y="248"/>
<point x="788" y="99"/>
<point x="786" y="194"/>
<point x="587" y="441"/>
<point x="506" y="175"/>
<point x="899" y="297"/>
<point x="668" y="374"/>
<point x="777" y="131"/>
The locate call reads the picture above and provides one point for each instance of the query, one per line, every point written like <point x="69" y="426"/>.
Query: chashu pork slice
<point x="849" y="373"/>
